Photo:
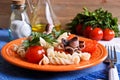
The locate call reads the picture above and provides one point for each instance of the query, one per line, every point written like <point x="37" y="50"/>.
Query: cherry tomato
<point x="79" y="29"/>
<point x="34" y="54"/>
<point x="87" y="30"/>
<point x="108" y="34"/>
<point x="96" y="34"/>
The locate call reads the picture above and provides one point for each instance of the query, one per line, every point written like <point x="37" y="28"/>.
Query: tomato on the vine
<point x="96" y="34"/>
<point x="79" y="29"/>
<point x="87" y="30"/>
<point x="108" y="34"/>
<point x="34" y="54"/>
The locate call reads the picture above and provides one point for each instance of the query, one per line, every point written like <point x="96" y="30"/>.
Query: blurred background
<point x="65" y="9"/>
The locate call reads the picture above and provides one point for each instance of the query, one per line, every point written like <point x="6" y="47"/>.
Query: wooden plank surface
<point x="65" y="9"/>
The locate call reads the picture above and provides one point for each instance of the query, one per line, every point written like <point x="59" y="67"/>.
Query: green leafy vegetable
<point x="57" y="33"/>
<point x="97" y="18"/>
<point x="34" y="38"/>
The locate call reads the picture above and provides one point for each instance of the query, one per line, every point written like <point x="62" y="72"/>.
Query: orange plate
<point x="9" y="55"/>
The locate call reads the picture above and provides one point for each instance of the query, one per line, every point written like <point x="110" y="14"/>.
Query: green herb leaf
<point x="34" y="38"/>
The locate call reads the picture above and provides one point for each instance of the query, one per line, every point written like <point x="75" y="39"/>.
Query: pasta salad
<point x="55" y="49"/>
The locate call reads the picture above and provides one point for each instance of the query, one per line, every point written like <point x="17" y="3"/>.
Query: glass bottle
<point x="44" y="17"/>
<point x="19" y="21"/>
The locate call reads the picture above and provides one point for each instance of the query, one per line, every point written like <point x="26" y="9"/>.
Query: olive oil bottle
<point x="43" y="17"/>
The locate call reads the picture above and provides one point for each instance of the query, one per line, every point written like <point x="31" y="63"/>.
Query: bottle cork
<point x="18" y="2"/>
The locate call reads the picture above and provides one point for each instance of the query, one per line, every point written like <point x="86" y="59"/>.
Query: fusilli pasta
<point x="20" y="50"/>
<point x="54" y="57"/>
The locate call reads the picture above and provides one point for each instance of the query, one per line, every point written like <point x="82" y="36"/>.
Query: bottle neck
<point x="19" y="13"/>
<point x="18" y="7"/>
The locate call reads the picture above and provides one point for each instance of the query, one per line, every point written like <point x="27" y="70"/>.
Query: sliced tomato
<point x="59" y="50"/>
<point x="90" y="46"/>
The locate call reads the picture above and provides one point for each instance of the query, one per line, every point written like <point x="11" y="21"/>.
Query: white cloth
<point x="114" y="42"/>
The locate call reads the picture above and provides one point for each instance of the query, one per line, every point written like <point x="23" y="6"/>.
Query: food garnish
<point x="34" y="38"/>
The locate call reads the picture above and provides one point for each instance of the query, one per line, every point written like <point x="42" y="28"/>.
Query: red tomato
<point x="108" y="34"/>
<point x="59" y="50"/>
<point x="90" y="46"/>
<point x="34" y="54"/>
<point x="96" y="34"/>
<point x="79" y="29"/>
<point x="87" y="30"/>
